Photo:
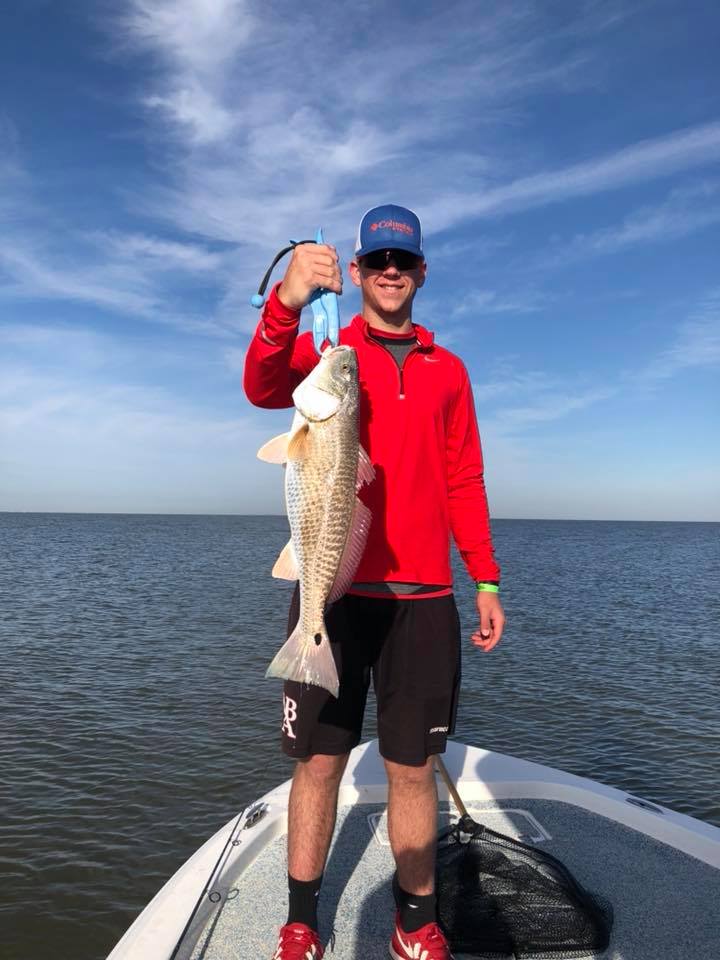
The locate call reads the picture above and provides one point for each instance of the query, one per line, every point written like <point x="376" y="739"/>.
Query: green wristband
<point x="483" y="587"/>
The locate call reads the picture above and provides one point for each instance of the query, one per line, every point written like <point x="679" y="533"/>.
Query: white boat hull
<point x="480" y="775"/>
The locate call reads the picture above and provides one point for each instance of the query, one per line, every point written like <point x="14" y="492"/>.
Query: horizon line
<point x="143" y="513"/>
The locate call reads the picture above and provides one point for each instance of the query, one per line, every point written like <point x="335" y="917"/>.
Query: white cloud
<point x="544" y="399"/>
<point x="196" y="39"/>
<point x="107" y="288"/>
<point x="479" y="302"/>
<point x="548" y="407"/>
<point x="686" y="210"/>
<point x="129" y="274"/>
<point x="640" y="162"/>
<point x="235" y="359"/>
<point x="158" y="254"/>
<point x="74" y="441"/>
<point x="194" y="108"/>
<point x="696" y="343"/>
<point x="513" y="400"/>
<point x="265" y="145"/>
<point x="196" y="36"/>
<point x="509" y="383"/>
<point x="280" y="125"/>
<point x="478" y="248"/>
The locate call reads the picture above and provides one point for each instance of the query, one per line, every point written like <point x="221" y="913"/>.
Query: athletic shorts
<point x="411" y="649"/>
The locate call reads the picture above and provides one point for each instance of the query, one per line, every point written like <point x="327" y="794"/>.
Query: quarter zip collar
<point x="425" y="338"/>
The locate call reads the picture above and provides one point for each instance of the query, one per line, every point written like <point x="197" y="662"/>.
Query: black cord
<point x="266" y="279"/>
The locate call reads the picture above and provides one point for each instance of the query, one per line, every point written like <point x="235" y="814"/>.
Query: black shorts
<point x="411" y="648"/>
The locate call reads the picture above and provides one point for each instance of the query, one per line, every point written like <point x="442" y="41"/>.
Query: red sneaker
<point x="427" y="943"/>
<point x="298" y="942"/>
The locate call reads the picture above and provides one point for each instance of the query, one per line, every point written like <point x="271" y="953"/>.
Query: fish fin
<point x="354" y="549"/>
<point x="297" y="445"/>
<point x="303" y="660"/>
<point x="313" y="403"/>
<point x="275" y="450"/>
<point x="366" y="471"/>
<point x="286" y="565"/>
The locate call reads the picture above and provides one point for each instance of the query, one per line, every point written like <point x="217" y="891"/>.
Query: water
<point x="136" y="720"/>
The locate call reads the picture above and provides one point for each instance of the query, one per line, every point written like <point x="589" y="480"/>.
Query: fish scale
<point x="318" y="492"/>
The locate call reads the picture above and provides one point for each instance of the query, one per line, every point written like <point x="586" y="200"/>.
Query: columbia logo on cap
<point x="393" y="225"/>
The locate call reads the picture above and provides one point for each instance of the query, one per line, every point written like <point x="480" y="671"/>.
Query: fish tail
<point x="303" y="659"/>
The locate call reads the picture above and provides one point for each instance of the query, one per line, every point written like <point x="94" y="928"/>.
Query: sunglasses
<point x="403" y="260"/>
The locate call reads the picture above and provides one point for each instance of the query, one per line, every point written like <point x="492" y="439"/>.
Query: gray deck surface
<point x="665" y="903"/>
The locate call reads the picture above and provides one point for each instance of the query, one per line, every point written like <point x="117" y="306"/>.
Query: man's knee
<point x="322" y="768"/>
<point x="402" y="773"/>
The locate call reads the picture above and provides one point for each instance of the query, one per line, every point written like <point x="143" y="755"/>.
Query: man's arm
<point x="277" y="360"/>
<point x="469" y="515"/>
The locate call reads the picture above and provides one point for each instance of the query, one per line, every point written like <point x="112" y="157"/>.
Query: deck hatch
<point x="512" y="821"/>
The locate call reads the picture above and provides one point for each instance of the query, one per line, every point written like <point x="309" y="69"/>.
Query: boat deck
<point x="665" y="902"/>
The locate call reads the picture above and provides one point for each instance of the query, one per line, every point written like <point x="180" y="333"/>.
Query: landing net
<point x="499" y="897"/>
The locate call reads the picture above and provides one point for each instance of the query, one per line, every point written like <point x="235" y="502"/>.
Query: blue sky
<point x="564" y="158"/>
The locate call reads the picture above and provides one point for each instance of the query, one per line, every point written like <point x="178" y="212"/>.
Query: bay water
<point x="136" y="719"/>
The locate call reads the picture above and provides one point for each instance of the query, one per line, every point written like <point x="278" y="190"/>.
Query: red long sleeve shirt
<point x="419" y="429"/>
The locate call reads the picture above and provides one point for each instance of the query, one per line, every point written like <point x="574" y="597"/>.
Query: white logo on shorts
<point x="290" y="715"/>
<point x="438" y="730"/>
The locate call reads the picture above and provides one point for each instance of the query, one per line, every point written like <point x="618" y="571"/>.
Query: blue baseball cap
<point x="389" y="227"/>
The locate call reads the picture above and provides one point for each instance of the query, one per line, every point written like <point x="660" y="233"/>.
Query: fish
<point x="325" y="468"/>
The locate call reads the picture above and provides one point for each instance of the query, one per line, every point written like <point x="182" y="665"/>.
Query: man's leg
<point x="412" y="825"/>
<point x="311" y="814"/>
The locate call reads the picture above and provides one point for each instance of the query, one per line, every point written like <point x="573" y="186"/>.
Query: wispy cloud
<point x="235" y="359"/>
<point x="641" y="162"/>
<point x="512" y="400"/>
<point x="508" y="383"/>
<point x="255" y="161"/>
<point x="479" y="302"/>
<point x="131" y="274"/>
<point x="101" y="418"/>
<point x="686" y="210"/>
<point x="35" y="279"/>
<point x="156" y="253"/>
<point x="196" y="41"/>
<point x="77" y="405"/>
<point x="477" y="248"/>
<point x="251" y="156"/>
<point x="696" y="344"/>
<point x="548" y="407"/>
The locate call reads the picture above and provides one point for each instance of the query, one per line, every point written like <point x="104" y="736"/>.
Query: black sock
<point x="415" y="910"/>
<point x="303" y="901"/>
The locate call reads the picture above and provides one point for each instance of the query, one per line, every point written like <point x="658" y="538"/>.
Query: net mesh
<point x="499" y="897"/>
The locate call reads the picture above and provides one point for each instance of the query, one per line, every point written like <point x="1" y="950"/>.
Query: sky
<point x="564" y="158"/>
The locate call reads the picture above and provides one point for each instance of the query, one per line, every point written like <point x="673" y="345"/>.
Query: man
<point x="398" y="621"/>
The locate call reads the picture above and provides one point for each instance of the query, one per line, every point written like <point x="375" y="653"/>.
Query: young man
<point x="398" y="622"/>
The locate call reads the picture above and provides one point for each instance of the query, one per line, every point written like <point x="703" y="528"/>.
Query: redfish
<point x="329" y="524"/>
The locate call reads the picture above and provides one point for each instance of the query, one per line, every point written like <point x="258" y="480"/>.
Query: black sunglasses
<point x="403" y="260"/>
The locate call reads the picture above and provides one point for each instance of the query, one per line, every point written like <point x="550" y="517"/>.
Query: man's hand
<point x="311" y="266"/>
<point x="492" y="621"/>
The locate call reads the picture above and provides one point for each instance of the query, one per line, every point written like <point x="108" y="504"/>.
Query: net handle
<point x="440" y="767"/>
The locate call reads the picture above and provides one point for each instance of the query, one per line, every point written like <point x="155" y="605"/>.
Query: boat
<point x="659" y="869"/>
